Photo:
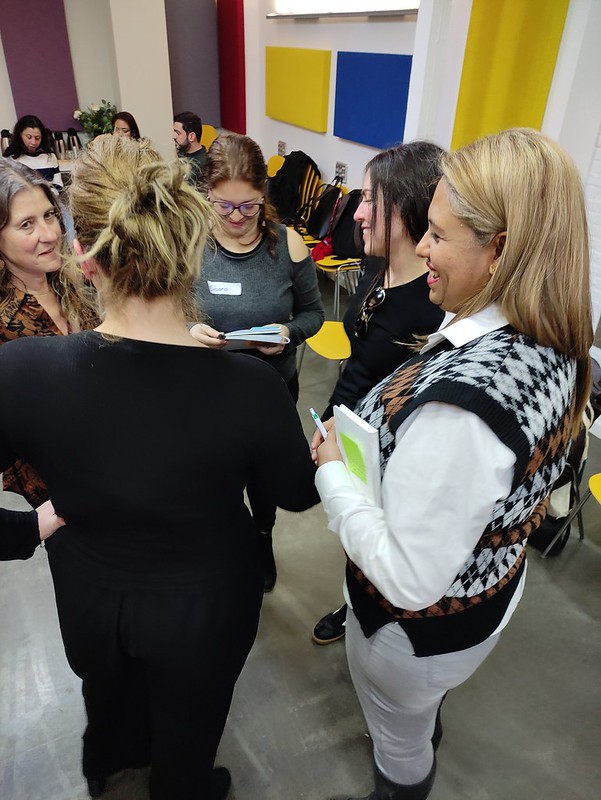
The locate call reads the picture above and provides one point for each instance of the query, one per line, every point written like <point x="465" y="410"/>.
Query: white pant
<point x="400" y="694"/>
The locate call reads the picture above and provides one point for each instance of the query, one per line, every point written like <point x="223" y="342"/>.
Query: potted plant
<point x="97" y="119"/>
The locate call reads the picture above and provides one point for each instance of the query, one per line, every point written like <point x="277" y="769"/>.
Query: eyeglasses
<point x="224" y="209"/>
<point x="373" y="300"/>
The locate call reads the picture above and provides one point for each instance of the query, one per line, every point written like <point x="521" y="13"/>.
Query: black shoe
<point x="330" y="628"/>
<point x="221" y="780"/>
<point x="266" y="560"/>
<point x="96" y="786"/>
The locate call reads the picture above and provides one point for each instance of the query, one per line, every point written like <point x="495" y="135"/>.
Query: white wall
<point x="573" y="117"/>
<point x="92" y="51"/>
<point x="376" y="35"/>
<point x="8" y="115"/>
<point x="142" y="57"/>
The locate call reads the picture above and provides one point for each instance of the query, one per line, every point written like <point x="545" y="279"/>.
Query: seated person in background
<point x="187" y="133"/>
<point x="22" y="531"/>
<point x="124" y="124"/>
<point x="32" y="145"/>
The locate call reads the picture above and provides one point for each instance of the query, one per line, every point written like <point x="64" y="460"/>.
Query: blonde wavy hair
<point x="522" y="183"/>
<point x="77" y="301"/>
<point x="139" y="219"/>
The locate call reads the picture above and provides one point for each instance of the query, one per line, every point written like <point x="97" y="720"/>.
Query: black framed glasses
<point x="225" y="208"/>
<point x="373" y="300"/>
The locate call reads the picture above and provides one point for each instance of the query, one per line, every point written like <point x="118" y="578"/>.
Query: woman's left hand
<point x="48" y="520"/>
<point x="329" y="450"/>
<point x="274" y="349"/>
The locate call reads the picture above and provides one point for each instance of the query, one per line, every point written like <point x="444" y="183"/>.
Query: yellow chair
<point x="209" y="134"/>
<point x="307" y="191"/>
<point x="594" y="486"/>
<point x="309" y="240"/>
<point x="273" y="165"/>
<point x="594" y="489"/>
<point x="337" y="266"/>
<point x="330" y="342"/>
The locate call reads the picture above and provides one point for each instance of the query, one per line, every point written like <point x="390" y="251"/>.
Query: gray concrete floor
<point x="525" y="727"/>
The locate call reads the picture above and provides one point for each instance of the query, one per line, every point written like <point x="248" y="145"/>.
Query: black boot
<point x="437" y="735"/>
<point x="96" y="786"/>
<point x="221" y="780"/>
<point x="266" y="559"/>
<point x="388" y="790"/>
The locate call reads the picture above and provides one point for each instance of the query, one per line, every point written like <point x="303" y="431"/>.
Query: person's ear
<point x="88" y="266"/>
<point x="498" y="243"/>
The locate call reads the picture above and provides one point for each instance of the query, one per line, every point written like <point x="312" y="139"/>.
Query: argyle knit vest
<point x="524" y="393"/>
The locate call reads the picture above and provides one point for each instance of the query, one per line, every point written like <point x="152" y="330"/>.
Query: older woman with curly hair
<point x="41" y="294"/>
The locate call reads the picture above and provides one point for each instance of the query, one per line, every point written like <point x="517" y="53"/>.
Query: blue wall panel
<point x="371" y="98"/>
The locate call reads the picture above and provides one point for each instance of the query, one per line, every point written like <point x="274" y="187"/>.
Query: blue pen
<point x="318" y="423"/>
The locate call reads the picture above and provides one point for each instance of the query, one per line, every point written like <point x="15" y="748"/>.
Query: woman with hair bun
<point x="474" y="432"/>
<point x="156" y="564"/>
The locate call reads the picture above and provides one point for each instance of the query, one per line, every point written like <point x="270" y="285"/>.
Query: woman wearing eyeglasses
<point x="257" y="272"/>
<point x="391" y="306"/>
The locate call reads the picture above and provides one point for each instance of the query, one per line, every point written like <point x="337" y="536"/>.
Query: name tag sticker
<point x="221" y="287"/>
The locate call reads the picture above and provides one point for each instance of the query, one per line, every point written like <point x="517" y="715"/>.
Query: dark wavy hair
<point x="403" y="179"/>
<point x="134" y="131"/>
<point x="233" y="157"/>
<point x="17" y="147"/>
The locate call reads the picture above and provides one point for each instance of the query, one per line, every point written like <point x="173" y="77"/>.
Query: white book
<point x="359" y="443"/>
<point x="250" y="337"/>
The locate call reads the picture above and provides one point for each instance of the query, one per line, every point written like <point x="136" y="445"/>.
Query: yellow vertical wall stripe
<point x="508" y="66"/>
<point x="297" y="85"/>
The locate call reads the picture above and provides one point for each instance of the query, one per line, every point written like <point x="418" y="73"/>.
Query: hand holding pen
<point x="321" y="434"/>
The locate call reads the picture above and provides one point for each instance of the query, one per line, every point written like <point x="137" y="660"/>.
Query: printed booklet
<point x="360" y="446"/>
<point x="250" y="337"/>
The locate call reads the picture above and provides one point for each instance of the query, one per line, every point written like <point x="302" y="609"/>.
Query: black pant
<point x="158" y="670"/>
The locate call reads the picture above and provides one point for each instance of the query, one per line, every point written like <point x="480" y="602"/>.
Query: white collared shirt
<point x="447" y="472"/>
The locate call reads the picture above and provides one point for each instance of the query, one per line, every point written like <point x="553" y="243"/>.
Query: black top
<point x="406" y="311"/>
<point x="146" y="450"/>
<point x="19" y="534"/>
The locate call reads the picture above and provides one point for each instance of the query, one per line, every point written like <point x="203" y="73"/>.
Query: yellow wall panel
<point x="508" y="66"/>
<point x="297" y="84"/>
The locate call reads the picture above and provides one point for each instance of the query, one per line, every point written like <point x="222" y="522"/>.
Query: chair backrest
<point x="273" y="165"/>
<point x="296" y="178"/>
<point x="346" y="234"/>
<point x="209" y="134"/>
<point x="322" y="210"/>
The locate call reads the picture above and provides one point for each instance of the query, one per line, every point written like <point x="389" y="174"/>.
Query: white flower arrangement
<point x="97" y="119"/>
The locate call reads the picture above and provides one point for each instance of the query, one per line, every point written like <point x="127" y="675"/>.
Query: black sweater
<point x="146" y="450"/>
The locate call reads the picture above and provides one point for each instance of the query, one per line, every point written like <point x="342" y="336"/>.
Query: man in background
<point x="187" y="133"/>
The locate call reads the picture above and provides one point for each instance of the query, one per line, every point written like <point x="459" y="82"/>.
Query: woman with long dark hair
<point x="32" y="145"/>
<point x="124" y="124"/>
<point x="391" y="305"/>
